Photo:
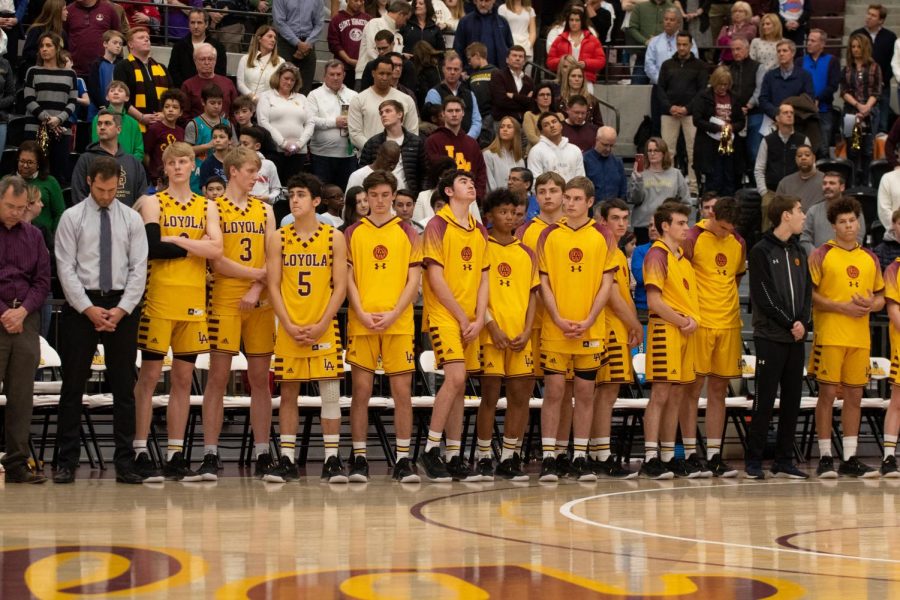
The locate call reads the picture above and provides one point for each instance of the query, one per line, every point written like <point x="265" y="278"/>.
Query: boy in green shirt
<point x="131" y="140"/>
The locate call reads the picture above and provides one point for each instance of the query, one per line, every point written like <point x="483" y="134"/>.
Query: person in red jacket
<point x="580" y="43"/>
<point x="142" y="14"/>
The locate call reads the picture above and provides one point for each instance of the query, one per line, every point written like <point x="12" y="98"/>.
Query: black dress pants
<point x="78" y="343"/>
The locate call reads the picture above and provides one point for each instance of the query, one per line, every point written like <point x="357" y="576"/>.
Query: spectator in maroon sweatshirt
<point x="87" y="21"/>
<point x="576" y="127"/>
<point x="450" y="140"/>
<point x="345" y="35"/>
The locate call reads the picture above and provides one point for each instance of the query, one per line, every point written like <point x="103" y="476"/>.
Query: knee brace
<point x="330" y="391"/>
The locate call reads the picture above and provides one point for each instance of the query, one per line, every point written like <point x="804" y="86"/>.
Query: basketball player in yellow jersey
<point x="576" y="261"/>
<point x="456" y="298"/>
<point x="306" y="271"/>
<point x="847" y="287"/>
<point x="719" y="257"/>
<point x="385" y="257"/>
<point x="892" y="415"/>
<point x="506" y="339"/>
<point x="549" y="193"/>
<point x="182" y="233"/>
<point x="623" y="332"/>
<point x="240" y="314"/>
<point x="674" y="317"/>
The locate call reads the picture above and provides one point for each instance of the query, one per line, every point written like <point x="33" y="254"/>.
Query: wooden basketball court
<point x="241" y="538"/>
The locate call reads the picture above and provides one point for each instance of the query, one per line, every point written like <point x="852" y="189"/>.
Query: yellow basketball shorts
<point x="448" y="346"/>
<point x="394" y="351"/>
<point x="563" y="363"/>
<point x="670" y="354"/>
<point x="840" y="365"/>
<point x="615" y="366"/>
<point x="309" y="368"/>
<point x="718" y="352"/>
<point x="536" y="352"/>
<point x="254" y="329"/>
<point x="184" y="337"/>
<point x="506" y="363"/>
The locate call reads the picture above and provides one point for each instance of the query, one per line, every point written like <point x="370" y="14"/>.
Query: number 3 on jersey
<point x="246" y="255"/>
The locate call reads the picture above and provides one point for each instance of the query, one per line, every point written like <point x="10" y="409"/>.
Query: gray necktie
<point x="105" y="251"/>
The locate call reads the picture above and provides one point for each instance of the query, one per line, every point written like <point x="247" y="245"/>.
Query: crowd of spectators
<point x="468" y="81"/>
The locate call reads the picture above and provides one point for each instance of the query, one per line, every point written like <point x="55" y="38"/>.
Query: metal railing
<point x="550" y="75"/>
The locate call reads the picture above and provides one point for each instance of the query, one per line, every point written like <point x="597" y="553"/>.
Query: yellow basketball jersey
<point x="529" y="233"/>
<point x="244" y="242"/>
<point x="623" y="287"/>
<point x="673" y="275"/>
<point x="574" y="261"/>
<point x="892" y="294"/>
<point x="306" y="285"/>
<point x="380" y="259"/>
<point x="717" y="263"/>
<point x="176" y="288"/>
<point x="462" y="252"/>
<point x="839" y="274"/>
<point x="513" y="276"/>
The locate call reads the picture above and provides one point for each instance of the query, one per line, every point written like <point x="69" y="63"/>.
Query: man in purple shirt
<point x="86" y="23"/>
<point x="24" y="285"/>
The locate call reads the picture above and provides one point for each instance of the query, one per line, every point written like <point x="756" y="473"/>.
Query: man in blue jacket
<point x="784" y="81"/>
<point x="825" y="70"/>
<point x="604" y="169"/>
<point x="486" y="26"/>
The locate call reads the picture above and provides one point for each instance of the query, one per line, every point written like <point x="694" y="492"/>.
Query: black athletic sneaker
<point x="825" y="470"/>
<point x="405" y="471"/>
<point x="700" y="465"/>
<point x="754" y="471"/>
<point x="435" y="467"/>
<point x="683" y="469"/>
<point x="510" y="470"/>
<point x="889" y="468"/>
<point x="655" y="469"/>
<point x="333" y="470"/>
<point x="177" y="469"/>
<point x="264" y="464"/>
<point x="854" y="468"/>
<point x="282" y="472"/>
<point x="359" y="469"/>
<point x="209" y="468"/>
<point x="484" y="469"/>
<point x="613" y="468"/>
<point x="459" y="470"/>
<point x="720" y="468"/>
<point x="143" y="466"/>
<point x="564" y="466"/>
<point x="581" y="470"/>
<point x="787" y="470"/>
<point x="598" y="467"/>
<point x="548" y="470"/>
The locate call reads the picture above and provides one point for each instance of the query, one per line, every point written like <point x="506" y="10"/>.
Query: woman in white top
<point x="522" y="22"/>
<point x="504" y="153"/>
<point x="762" y="49"/>
<point x="255" y="68"/>
<point x="283" y="112"/>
